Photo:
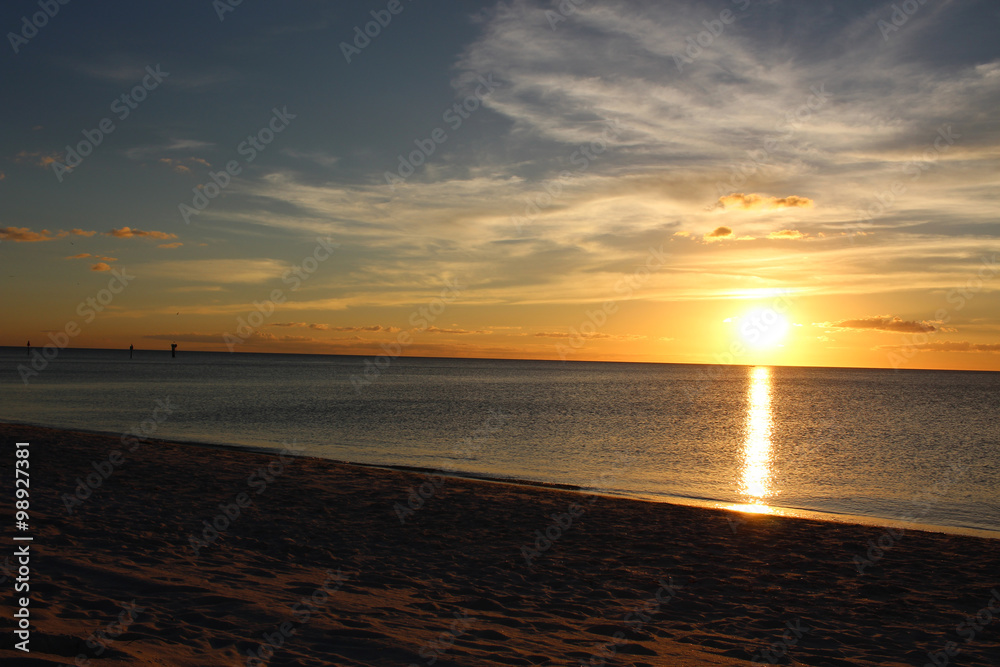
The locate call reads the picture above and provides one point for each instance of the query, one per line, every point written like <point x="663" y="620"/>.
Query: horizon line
<point x="588" y="361"/>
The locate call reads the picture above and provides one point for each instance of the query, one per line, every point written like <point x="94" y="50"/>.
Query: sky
<point x="747" y="181"/>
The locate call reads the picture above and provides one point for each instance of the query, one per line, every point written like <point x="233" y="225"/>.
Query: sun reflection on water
<point x="755" y="484"/>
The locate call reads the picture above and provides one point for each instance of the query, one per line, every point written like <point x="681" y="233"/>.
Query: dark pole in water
<point x="130" y="348"/>
<point x="29" y="349"/>
<point x="173" y="350"/>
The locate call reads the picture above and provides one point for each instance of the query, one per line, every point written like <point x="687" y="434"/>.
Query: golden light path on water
<point x="755" y="481"/>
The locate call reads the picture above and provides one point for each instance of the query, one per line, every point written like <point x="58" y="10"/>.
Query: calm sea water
<point x="869" y="444"/>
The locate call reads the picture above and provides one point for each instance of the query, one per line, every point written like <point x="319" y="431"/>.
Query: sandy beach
<point x="177" y="554"/>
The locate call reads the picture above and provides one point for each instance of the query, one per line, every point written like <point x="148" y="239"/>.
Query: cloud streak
<point x="787" y="234"/>
<point x="947" y="346"/>
<point x="37" y="158"/>
<point x="83" y="255"/>
<point x="25" y="235"/>
<point x="218" y="271"/>
<point x="375" y="328"/>
<point x="129" y="233"/>
<point x="883" y="323"/>
<point x="459" y="332"/>
<point x="757" y="202"/>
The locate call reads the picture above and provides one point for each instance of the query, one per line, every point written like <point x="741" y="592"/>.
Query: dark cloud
<point x="720" y="233"/>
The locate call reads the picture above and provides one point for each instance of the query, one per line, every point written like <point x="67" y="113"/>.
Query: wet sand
<point x="323" y="563"/>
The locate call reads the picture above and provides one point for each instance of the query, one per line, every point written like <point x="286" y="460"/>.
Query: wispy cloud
<point x="217" y="271"/>
<point x="123" y="68"/>
<point x="316" y="157"/>
<point x="155" y="151"/>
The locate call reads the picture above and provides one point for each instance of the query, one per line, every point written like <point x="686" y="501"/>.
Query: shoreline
<point x="222" y="551"/>
<point x="688" y="501"/>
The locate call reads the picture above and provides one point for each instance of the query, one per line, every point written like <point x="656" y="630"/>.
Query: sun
<point x="763" y="328"/>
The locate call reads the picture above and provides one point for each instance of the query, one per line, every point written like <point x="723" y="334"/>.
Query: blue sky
<point x="842" y="154"/>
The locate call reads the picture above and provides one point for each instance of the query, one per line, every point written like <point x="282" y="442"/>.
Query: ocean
<point x="871" y="446"/>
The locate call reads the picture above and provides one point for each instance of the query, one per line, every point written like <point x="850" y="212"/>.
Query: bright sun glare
<point x="763" y="329"/>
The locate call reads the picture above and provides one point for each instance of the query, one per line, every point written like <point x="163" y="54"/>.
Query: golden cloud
<point x="720" y="233"/>
<point x="100" y="266"/>
<point x="756" y="202"/>
<point x="84" y="255"/>
<point x="25" y="235"/>
<point x="180" y="167"/>
<point x="128" y="233"/>
<point x="790" y="234"/>
<point x="38" y="159"/>
<point x="170" y="245"/>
